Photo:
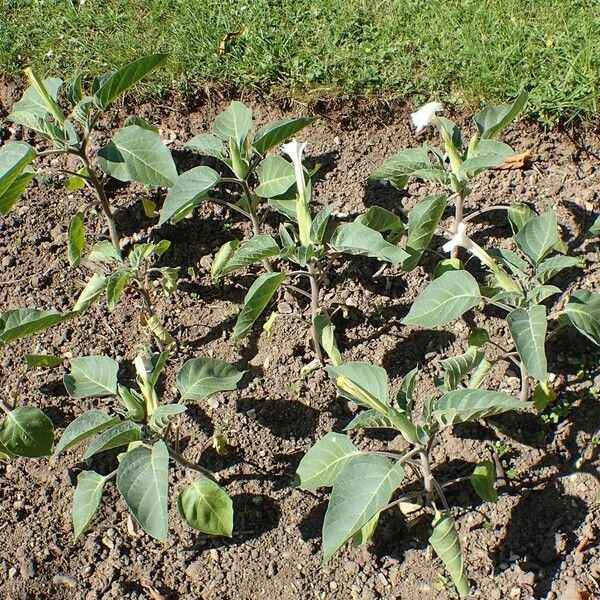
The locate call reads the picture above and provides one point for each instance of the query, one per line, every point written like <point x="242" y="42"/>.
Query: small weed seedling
<point x="140" y="426"/>
<point x="365" y="483"/>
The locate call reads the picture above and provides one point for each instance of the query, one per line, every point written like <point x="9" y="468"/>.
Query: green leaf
<point x="542" y="396"/>
<point x="138" y="154"/>
<point x="444" y="540"/>
<point x="252" y="251"/>
<point x="140" y="122"/>
<point x="86" y="500"/>
<point x="362" y="488"/>
<point x="594" y="230"/>
<point x="482" y="480"/>
<point x="206" y="507"/>
<point x="539" y="293"/>
<point x="276" y="133"/>
<point x="143" y="480"/>
<point x="370" y="419"/>
<point x="493" y="119"/>
<point x="519" y="214"/>
<point x="512" y="261"/>
<point x="76" y="242"/>
<point x="357" y="239"/>
<point x="104" y="251"/>
<point x="207" y="145"/>
<point x="31" y="109"/>
<point x="528" y="329"/>
<point x="163" y="415"/>
<point x="43" y="361"/>
<point x="14" y="157"/>
<point x="460" y="406"/>
<point x="222" y="257"/>
<point x="423" y="220"/>
<point x="554" y="265"/>
<point x="323" y="462"/>
<point x="473" y="166"/>
<point x="199" y="378"/>
<point x="366" y="532"/>
<point x="325" y="333"/>
<point x="189" y="190"/>
<point x="583" y="310"/>
<point x="92" y="377"/>
<point x="538" y="236"/>
<point x="256" y="300"/>
<point x="456" y="368"/>
<point x="319" y="224"/>
<point x="115" y="286"/>
<point x="413" y="162"/>
<point x="126" y="77"/>
<point x="90" y="293"/>
<point x="444" y="300"/>
<point x="370" y="377"/>
<point x="234" y="124"/>
<point x="276" y="176"/>
<point x="120" y="434"/>
<point x="14" y="192"/>
<point x="83" y="427"/>
<point x="27" y="431"/>
<point x="21" y="322"/>
<point x="381" y="219"/>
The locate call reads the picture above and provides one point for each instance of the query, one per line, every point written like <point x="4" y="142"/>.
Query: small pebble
<point x="64" y="580"/>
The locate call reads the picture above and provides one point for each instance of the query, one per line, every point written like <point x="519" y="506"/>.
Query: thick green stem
<point x="524" y="383"/>
<point x="458" y="217"/>
<point x="184" y="462"/>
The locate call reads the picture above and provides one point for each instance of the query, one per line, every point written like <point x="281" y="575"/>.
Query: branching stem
<point x="184" y="462"/>
<point x="314" y="309"/>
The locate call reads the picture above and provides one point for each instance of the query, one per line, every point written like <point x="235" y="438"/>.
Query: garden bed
<point x="525" y="545"/>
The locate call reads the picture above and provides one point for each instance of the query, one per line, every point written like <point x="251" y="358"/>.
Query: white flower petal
<point x="425" y="116"/>
<point x="294" y="150"/>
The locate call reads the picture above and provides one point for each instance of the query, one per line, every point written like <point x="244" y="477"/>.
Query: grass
<point x="462" y="51"/>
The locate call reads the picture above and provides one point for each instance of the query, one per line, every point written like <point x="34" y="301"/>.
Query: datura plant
<point x="271" y="183"/>
<point x="135" y="153"/>
<point x="140" y="427"/>
<point x="454" y="166"/>
<point x="519" y="284"/>
<point x="367" y="482"/>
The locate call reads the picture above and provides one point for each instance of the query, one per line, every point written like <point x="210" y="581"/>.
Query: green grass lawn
<point x="463" y="51"/>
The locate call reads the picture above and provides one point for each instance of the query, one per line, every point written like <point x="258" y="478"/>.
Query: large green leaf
<point x="493" y="119"/>
<point x="163" y="415"/>
<point x="358" y="239"/>
<point x="444" y="300"/>
<point x="382" y="220"/>
<point x="362" y="488"/>
<point x="276" y="176"/>
<point x="234" y="124"/>
<point x="444" y="540"/>
<point x="199" y="378"/>
<point x="323" y="462"/>
<point x="276" y="133"/>
<point x="423" y="220"/>
<point x="459" y="406"/>
<point x="90" y="293"/>
<point x="370" y="419"/>
<point x="372" y="378"/>
<point x="138" y="154"/>
<point x="15" y="191"/>
<point x="554" y="265"/>
<point x="413" y="162"/>
<point x="206" y="507"/>
<point x="14" y="157"/>
<point x="21" y="322"/>
<point x="83" y="427"/>
<point x="256" y="300"/>
<point x="27" y="431"/>
<point x="143" y="480"/>
<point x="456" y="368"/>
<point x="118" y="435"/>
<point x="528" y="329"/>
<point x="86" y="500"/>
<point x="31" y="110"/>
<point x="126" y="77"/>
<point x="583" y="310"/>
<point x="252" y="251"/>
<point x="115" y="286"/>
<point x="207" y="145"/>
<point x="92" y="377"/>
<point x="538" y="236"/>
<point x="189" y="190"/>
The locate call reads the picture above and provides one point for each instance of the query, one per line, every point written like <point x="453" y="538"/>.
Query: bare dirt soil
<point x="527" y="545"/>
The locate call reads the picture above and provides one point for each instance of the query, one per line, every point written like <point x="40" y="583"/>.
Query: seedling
<point x="140" y="426"/>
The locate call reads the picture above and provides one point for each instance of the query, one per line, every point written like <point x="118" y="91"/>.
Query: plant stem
<point x="428" y="480"/>
<point x="230" y="206"/>
<point x="484" y="210"/>
<point x="5" y="406"/>
<point x="458" y="217"/>
<point x="524" y="383"/>
<point x="255" y="222"/>
<point x="314" y="309"/>
<point x="184" y="462"/>
<point x="149" y="308"/>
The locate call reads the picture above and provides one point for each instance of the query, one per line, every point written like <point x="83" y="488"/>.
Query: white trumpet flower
<point x="294" y="150"/>
<point x="425" y="116"/>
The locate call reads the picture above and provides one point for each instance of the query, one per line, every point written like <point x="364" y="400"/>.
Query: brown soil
<point x="523" y="546"/>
